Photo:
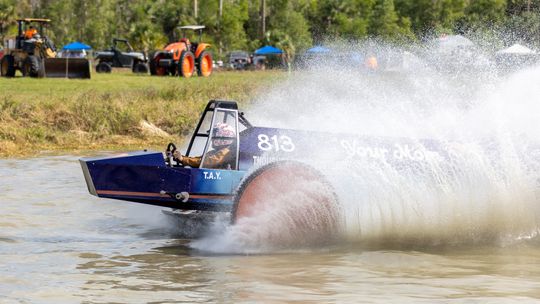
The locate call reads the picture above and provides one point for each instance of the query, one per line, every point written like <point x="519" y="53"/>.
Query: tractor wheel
<point x="140" y="68"/>
<point x="103" y="67"/>
<point x="186" y="64"/>
<point x="155" y="68"/>
<point x="32" y="66"/>
<point x="205" y="64"/>
<point x="7" y="66"/>
<point x="286" y="203"/>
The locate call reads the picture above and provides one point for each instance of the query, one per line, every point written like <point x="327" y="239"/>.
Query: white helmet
<point x="223" y="130"/>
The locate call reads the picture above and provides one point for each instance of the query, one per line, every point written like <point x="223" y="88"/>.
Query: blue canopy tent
<point x="76" y="46"/>
<point x="318" y="50"/>
<point x="271" y="57"/>
<point x="75" y="50"/>
<point x="268" y="50"/>
<point x="312" y="56"/>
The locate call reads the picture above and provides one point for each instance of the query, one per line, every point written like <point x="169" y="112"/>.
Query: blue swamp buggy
<point x="270" y="171"/>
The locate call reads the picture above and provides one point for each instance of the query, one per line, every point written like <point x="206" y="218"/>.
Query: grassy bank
<point x="115" y="111"/>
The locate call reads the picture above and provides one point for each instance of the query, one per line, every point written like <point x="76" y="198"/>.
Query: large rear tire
<point x="140" y="68"/>
<point x="7" y="66"/>
<point x="103" y="67"/>
<point x="205" y="64"/>
<point x="155" y="68"/>
<point x="287" y="203"/>
<point x="186" y="64"/>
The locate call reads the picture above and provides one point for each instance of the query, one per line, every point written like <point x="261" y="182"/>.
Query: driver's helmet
<point x="223" y="130"/>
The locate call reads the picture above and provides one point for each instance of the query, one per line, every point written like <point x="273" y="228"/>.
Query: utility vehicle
<point x="121" y="55"/>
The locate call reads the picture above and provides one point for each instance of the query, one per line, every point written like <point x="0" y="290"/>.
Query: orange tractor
<point x="183" y="57"/>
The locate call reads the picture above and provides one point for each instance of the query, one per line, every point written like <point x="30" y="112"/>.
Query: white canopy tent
<point x="516" y="49"/>
<point x="515" y="57"/>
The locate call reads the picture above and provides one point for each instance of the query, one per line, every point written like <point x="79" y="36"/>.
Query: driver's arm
<point x="193" y="162"/>
<point x="213" y="159"/>
<point x="216" y="158"/>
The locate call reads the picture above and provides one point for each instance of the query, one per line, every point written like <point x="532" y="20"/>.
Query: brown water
<point x="58" y="244"/>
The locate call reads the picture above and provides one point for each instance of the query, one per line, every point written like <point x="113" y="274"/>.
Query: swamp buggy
<point x="273" y="173"/>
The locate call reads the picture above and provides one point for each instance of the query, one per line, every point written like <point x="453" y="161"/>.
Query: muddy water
<point x="58" y="244"/>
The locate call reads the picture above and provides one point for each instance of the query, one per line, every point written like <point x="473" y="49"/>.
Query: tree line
<point x="292" y="25"/>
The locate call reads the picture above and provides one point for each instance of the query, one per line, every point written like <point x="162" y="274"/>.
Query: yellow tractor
<point x="32" y="53"/>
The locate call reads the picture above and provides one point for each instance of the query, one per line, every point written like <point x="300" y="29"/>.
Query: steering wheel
<point x="171" y="148"/>
<point x="169" y="152"/>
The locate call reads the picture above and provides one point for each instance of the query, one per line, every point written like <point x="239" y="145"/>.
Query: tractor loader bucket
<point x="67" y="68"/>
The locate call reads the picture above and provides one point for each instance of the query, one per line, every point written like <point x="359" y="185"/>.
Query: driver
<point x="223" y="154"/>
<point x="30" y="32"/>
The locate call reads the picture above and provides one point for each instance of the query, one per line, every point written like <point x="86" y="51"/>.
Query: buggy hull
<point x="144" y="177"/>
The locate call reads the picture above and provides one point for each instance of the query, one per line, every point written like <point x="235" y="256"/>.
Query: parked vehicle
<point x="182" y="58"/>
<point x="32" y="53"/>
<point x="239" y="60"/>
<point x="116" y="57"/>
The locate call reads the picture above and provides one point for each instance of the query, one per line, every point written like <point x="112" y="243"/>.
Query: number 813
<point x="275" y="143"/>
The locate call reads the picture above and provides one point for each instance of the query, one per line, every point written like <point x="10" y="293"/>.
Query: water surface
<point x="58" y="244"/>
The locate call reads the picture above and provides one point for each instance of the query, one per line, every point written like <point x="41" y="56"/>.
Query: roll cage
<point x="117" y="41"/>
<point x="216" y="111"/>
<point x="196" y="28"/>
<point x="24" y="23"/>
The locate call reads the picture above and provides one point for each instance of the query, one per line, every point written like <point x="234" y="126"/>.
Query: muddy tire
<point x="7" y="66"/>
<point x="140" y="68"/>
<point x="103" y="67"/>
<point x="205" y="64"/>
<point x="32" y="67"/>
<point x="155" y="68"/>
<point x="186" y="64"/>
<point x="287" y="203"/>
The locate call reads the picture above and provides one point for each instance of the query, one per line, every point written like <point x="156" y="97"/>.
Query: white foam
<point x="486" y="192"/>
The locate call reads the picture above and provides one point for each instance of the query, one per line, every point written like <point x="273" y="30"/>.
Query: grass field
<point x="109" y="111"/>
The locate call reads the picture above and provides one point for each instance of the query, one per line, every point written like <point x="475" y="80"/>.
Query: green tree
<point x="482" y="13"/>
<point x="252" y="24"/>
<point x="231" y="32"/>
<point x="516" y="7"/>
<point x="61" y="13"/>
<point x="523" y="28"/>
<point x="427" y="16"/>
<point x="144" y="33"/>
<point x="449" y="12"/>
<point x="7" y="10"/>
<point x="288" y="28"/>
<point x="386" y="24"/>
<point x="170" y="14"/>
<point x="348" y="19"/>
<point x="225" y="31"/>
<point x="95" y="22"/>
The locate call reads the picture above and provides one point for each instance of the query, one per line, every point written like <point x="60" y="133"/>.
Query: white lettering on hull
<point x="398" y="152"/>
<point x="212" y="175"/>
